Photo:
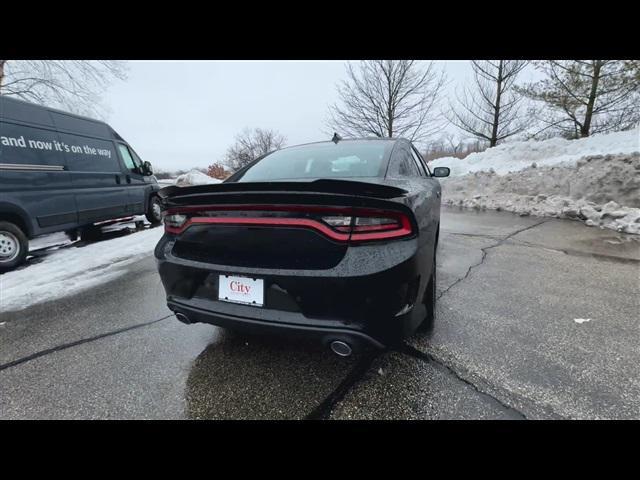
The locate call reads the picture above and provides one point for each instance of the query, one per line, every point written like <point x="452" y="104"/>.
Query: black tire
<point x="14" y="246"/>
<point x="153" y="211"/>
<point x="429" y="301"/>
<point x="90" y="233"/>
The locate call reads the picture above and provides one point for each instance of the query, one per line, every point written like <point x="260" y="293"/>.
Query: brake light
<point x="341" y="224"/>
<point x="173" y="223"/>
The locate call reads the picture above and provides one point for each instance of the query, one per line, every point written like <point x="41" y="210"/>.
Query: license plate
<point x="249" y="291"/>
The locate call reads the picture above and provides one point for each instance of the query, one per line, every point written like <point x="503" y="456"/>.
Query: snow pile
<point x="515" y="156"/>
<point x="71" y="270"/>
<point x="555" y="177"/>
<point x="167" y="181"/>
<point x="195" y="177"/>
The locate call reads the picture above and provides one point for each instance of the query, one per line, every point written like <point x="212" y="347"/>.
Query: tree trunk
<point x="586" y="125"/>
<point x="496" y="109"/>
<point x="389" y="109"/>
<point x="2" y="63"/>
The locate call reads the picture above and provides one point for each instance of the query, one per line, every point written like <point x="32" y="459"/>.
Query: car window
<point x="343" y="160"/>
<point x="420" y="162"/>
<point x="403" y="165"/>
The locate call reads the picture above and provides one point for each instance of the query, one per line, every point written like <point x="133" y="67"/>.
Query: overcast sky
<point x="182" y="114"/>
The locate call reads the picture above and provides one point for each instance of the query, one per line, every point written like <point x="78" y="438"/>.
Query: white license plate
<point x="249" y="291"/>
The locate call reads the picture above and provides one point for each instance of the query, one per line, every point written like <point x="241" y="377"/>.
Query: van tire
<point x="90" y="233"/>
<point x="14" y="246"/>
<point x="153" y="211"/>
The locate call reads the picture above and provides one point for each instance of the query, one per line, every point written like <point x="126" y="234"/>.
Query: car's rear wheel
<point x="14" y="246"/>
<point x="154" y="212"/>
<point x="429" y="300"/>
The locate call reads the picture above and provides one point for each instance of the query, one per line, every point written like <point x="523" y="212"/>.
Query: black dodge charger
<point x="335" y="240"/>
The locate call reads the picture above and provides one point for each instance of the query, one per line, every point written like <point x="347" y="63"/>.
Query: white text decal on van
<point x="53" y="146"/>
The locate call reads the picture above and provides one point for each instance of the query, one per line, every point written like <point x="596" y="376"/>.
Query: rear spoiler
<point x="323" y="186"/>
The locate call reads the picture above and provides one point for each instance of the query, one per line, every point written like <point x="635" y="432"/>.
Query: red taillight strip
<point x="404" y="230"/>
<point x="359" y="233"/>
<point x="266" y="222"/>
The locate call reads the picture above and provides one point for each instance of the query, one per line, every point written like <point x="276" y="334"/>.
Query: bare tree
<point x="578" y="98"/>
<point x="251" y="144"/>
<point x="74" y="85"/>
<point x="218" y="171"/>
<point x="490" y="109"/>
<point x="389" y="98"/>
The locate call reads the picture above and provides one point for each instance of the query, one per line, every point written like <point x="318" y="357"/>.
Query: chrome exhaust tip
<point x="341" y="348"/>
<point x="182" y="317"/>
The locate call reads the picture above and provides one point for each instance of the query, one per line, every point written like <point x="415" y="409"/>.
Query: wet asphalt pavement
<point x="505" y="344"/>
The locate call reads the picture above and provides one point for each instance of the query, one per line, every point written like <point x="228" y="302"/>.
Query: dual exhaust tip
<point x="340" y="348"/>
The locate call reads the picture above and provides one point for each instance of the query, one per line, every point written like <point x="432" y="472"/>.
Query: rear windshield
<point x="344" y="160"/>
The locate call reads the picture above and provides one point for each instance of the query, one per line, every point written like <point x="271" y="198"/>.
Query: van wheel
<point x="154" y="212"/>
<point x="90" y="233"/>
<point x="14" y="246"/>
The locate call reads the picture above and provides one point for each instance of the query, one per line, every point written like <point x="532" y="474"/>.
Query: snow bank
<point x="601" y="191"/>
<point x="167" y="181"/>
<point x="594" y="179"/>
<point x="71" y="270"/>
<point x="195" y="177"/>
<point x="515" y="156"/>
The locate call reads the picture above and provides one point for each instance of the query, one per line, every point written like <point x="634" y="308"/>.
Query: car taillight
<point x="341" y="224"/>
<point x="174" y="222"/>
<point x="365" y="228"/>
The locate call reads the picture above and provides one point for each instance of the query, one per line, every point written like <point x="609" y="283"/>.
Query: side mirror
<point x="441" y="172"/>
<point x="147" y="169"/>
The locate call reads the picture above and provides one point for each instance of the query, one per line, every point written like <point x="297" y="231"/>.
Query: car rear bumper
<point x="365" y="300"/>
<point x="188" y="313"/>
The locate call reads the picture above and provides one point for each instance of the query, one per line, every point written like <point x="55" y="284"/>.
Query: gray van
<point x="64" y="172"/>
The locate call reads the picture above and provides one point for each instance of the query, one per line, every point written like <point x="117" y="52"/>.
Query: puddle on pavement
<point x="244" y="376"/>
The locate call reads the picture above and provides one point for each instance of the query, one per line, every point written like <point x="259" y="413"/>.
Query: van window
<point x="29" y="146"/>
<point x="131" y="161"/>
<point x="85" y="154"/>
<point x="136" y="158"/>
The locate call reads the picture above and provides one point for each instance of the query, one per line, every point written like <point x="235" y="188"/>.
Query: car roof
<point x="351" y="140"/>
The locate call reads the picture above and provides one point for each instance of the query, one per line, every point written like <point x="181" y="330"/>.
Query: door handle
<point x="128" y="178"/>
<point x="118" y="181"/>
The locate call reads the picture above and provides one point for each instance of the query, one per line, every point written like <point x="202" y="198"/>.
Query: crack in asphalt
<point x="325" y="408"/>
<point x="484" y="253"/>
<point x="578" y="253"/>
<point x="65" y="346"/>
<point x="427" y="357"/>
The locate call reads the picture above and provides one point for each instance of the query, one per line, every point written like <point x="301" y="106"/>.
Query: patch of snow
<point x="515" y="156"/>
<point x="581" y="320"/>
<point x="47" y="241"/>
<point x="195" y="177"/>
<point x="595" y="180"/>
<point x="602" y="191"/>
<point x="167" y="181"/>
<point x="72" y="270"/>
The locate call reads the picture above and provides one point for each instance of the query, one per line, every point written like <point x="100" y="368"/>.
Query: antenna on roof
<point x="336" y="138"/>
